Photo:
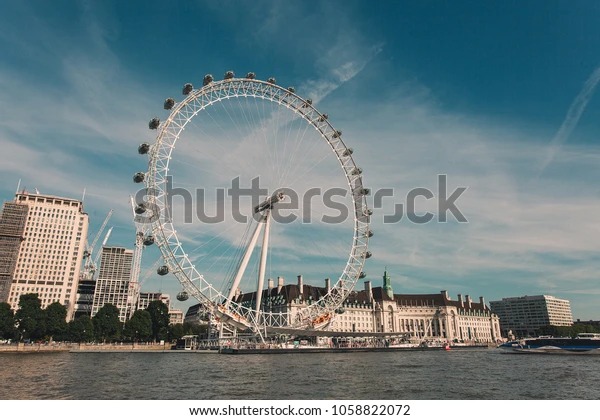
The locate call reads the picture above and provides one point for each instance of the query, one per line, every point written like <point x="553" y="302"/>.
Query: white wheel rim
<point x="173" y="253"/>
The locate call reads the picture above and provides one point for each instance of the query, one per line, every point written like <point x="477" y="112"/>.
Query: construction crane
<point x="96" y="261"/>
<point x="134" y="284"/>
<point x="89" y="264"/>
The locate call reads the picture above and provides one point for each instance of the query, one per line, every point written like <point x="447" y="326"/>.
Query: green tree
<point x="564" y="331"/>
<point x="106" y="323"/>
<point x="159" y="313"/>
<point x="30" y="318"/>
<point x="176" y="331"/>
<point x="56" y="321"/>
<point x="193" y="328"/>
<point x="81" y="329"/>
<point x="139" y="327"/>
<point x="7" y="321"/>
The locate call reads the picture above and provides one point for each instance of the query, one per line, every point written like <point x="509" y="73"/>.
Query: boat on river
<point x="584" y="343"/>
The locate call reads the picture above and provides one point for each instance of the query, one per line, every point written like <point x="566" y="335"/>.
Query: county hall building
<point x="417" y="317"/>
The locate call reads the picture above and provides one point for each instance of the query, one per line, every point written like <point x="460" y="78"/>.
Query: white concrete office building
<point x="113" y="283"/>
<point x="524" y="316"/>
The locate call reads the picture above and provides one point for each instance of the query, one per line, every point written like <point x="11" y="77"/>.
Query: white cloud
<point x="522" y="230"/>
<point x="79" y="129"/>
<point x="572" y="118"/>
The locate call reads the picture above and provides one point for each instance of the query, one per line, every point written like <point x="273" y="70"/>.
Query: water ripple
<point x="368" y="376"/>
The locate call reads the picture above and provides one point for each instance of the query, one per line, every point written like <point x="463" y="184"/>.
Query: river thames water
<point x="460" y="374"/>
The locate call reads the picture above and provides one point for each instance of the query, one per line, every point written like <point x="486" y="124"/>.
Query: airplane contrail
<point x="573" y="114"/>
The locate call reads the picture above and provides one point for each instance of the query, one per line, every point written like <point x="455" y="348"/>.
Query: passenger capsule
<point x="368" y="212"/>
<point x="291" y="90"/>
<point x="362" y="275"/>
<point x="307" y="103"/>
<point x="187" y="89"/>
<point x="162" y="270"/>
<point x="140" y="208"/>
<point x="182" y="296"/>
<point x="356" y="171"/>
<point x="169" y="103"/>
<point x="143" y="148"/>
<point x="228" y="75"/>
<point x="337" y="134"/>
<point x="154" y="123"/>
<point x="364" y="191"/>
<point x="323" y="117"/>
<point x="251" y="76"/>
<point x="148" y="240"/>
<point x="271" y="80"/>
<point x="348" y="151"/>
<point x="207" y="79"/>
<point x="139" y="177"/>
<point x="369" y="234"/>
<point x="367" y="254"/>
<point x="340" y="311"/>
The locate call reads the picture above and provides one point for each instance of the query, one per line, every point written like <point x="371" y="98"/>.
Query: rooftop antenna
<point x="36" y="191"/>
<point x="18" y="186"/>
<point x="83" y="195"/>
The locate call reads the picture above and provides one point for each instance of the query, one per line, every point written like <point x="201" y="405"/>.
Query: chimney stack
<point x="482" y="301"/>
<point x="468" y="301"/>
<point x="460" y="301"/>
<point x="445" y="294"/>
<point x="279" y="284"/>
<point x="271" y="283"/>
<point x="328" y="285"/>
<point x="369" y="290"/>
<point x="300" y="284"/>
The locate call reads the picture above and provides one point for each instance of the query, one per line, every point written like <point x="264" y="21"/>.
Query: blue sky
<point x="500" y="96"/>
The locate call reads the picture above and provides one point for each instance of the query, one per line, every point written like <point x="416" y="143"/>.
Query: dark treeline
<point x="31" y="322"/>
<point x="571" y="331"/>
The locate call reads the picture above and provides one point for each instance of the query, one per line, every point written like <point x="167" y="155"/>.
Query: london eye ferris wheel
<point x="307" y="210"/>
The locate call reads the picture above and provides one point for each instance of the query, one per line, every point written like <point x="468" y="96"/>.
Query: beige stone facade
<point x="418" y="317"/>
<point x="51" y="251"/>
<point x="433" y="317"/>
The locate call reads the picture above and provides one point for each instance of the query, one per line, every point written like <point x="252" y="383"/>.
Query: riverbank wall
<point x="84" y="348"/>
<point x="121" y="348"/>
<point x="34" y="347"/>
